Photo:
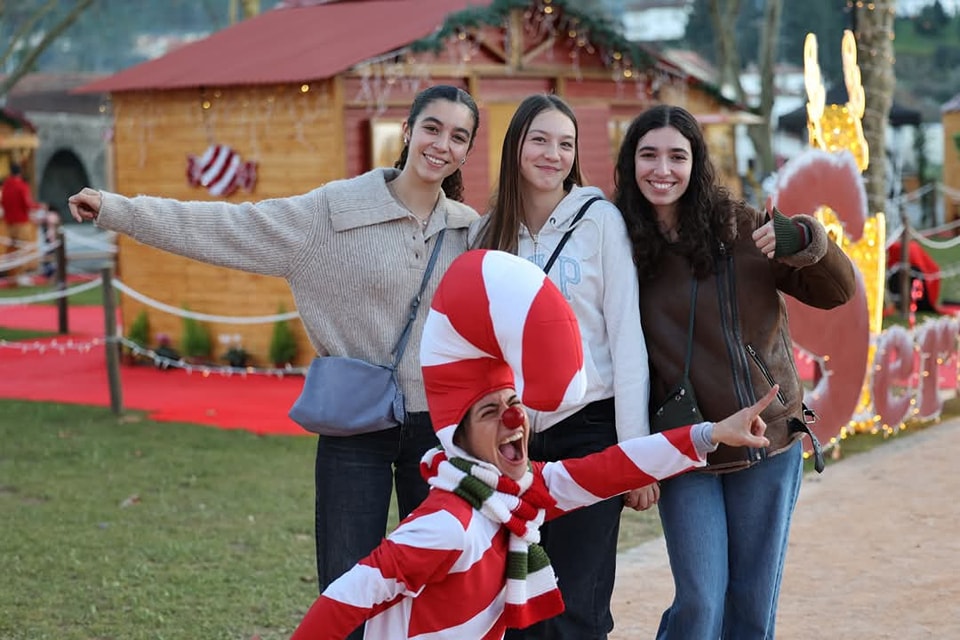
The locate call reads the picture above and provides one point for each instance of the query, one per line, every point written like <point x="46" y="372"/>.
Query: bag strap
<point x="566" y="236"/>
<point x="415" y="303"/>
<point x="693" y="310"/>
<point x="803" y="426"/>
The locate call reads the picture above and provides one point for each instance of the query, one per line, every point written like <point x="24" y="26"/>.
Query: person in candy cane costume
<point x="466" y="563"/>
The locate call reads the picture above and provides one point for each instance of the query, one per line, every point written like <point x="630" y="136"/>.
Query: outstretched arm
<point x="266" y="237"/>
<point x="424" y="547"/>
<point x="641" y="461"/>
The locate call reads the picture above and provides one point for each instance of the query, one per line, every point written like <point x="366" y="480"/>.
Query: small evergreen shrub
<point x="283" y="344"/>
<point x="140" y="329"/>
<point x="195" y="341"/>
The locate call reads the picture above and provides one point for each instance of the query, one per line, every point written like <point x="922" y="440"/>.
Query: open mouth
<point x="511" y="447"/>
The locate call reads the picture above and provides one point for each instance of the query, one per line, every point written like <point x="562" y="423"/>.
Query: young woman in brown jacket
<point x="726" y="531"/>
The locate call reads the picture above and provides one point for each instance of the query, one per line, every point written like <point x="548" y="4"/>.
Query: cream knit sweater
<point x="352" y="255"/>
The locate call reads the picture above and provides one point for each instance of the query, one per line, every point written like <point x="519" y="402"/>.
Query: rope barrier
<point x="205" y="317"/>
<point x="50" y="295"/>
<point x="74" y="238"/>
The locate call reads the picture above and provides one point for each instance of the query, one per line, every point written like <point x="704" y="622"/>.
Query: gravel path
<point x="874" y="550"/>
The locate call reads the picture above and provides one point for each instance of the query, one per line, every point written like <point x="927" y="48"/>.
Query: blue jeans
<point x="582" y="545"/>
<point x="354" y="480"/>
<point x="726" y="537"/>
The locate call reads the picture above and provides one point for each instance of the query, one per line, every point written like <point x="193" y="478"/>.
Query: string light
<point x="837" y="128"/>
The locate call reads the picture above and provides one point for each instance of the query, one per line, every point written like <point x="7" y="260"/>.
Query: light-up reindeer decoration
<point x="836" y="127"/>
<point x="826" y="180"/>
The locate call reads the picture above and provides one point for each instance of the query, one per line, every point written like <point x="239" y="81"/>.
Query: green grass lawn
<point x="133" y="529"/>
<point x="910" y="42"/>
<point x="13" y="335"/>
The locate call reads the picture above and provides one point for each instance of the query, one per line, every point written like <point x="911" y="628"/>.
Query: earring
<point x="462" y="160"/>
<point x="406" y="141"/>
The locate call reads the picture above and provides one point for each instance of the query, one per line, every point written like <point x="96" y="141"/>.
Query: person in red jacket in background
<point x="17" y="203"/>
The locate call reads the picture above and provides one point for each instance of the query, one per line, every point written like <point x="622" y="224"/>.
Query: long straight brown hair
<point x="501" y="229"/>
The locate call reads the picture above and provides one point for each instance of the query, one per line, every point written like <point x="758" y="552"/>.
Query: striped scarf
<point x="532" y="593"/>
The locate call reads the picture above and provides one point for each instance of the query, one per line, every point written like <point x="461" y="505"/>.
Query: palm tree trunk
<point x="874" y="32"/>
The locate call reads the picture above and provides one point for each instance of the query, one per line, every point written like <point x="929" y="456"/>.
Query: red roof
<point x="285" y="45"/>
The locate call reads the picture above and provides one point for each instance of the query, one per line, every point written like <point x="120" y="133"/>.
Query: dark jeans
<point x="354" y="477"/>
<point x="582" y="545"/>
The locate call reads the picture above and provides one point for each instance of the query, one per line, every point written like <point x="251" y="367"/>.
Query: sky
<point x="909" y="7"/>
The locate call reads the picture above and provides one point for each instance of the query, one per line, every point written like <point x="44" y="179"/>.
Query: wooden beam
<point x="537" y="50"/>
<point x="493" y="47"/>
<point x="515" y="39"/>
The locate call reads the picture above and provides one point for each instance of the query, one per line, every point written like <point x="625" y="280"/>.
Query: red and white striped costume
<point x="495" y="322"/>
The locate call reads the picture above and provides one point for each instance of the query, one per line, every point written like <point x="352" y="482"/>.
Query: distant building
<point x="653" y="20"/>
<point x="307" y="116"/>
<point x="73" y="132"/>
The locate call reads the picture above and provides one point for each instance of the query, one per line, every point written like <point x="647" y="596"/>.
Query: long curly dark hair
<point x="706" y="212"/>
<point x="502" y="227"/>
<point x="453" y="184"/>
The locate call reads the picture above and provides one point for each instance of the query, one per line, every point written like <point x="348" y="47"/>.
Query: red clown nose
<point x="512" y="417"/>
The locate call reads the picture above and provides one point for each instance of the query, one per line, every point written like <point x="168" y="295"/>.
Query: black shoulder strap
<point x="566" y="236"/>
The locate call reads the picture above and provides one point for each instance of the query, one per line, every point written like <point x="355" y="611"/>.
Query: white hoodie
<point x="596" y="274"/>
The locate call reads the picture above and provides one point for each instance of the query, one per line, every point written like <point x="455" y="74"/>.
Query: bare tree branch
<point x="24" y="29"/>
<point x="723" y="15"/>
<point x="26" y="64"/>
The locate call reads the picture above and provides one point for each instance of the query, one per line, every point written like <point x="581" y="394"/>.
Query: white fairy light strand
<point x="163" y="362"/>
<point x="55" y="345"/>
<point x="62" y="347"/>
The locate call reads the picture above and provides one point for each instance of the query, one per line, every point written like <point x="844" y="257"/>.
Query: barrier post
<point x="63" y="323"/>
<point x="112" y="345"/>
<point x="905" y="275"/>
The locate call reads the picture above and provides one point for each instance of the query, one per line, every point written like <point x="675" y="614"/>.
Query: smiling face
<point x="548" y="151"/>
<point x="485" y="436"/>
<point x="663" y="165"/>
<point x="438" y="140"/>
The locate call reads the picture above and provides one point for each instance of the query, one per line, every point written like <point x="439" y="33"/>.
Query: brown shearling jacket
<point x="741" y="344"/>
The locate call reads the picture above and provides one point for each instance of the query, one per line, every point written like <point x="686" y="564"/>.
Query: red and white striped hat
<point x="498" y="322"/>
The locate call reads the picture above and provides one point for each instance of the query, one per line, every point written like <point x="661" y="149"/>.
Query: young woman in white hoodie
<point x="542" y="213"/>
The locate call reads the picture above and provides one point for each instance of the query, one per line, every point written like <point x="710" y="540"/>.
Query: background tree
<point x="873" y="27"/>
<point x="734" y="34"/>
<point x="723" y="17"/>
<point x="28" y="29"/>
<point x="824" y="18"/>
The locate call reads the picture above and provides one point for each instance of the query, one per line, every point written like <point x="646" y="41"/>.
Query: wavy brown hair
<point x="501" y="228"/>
<point x="452" y="185"/>
<point x="706" y="212"/>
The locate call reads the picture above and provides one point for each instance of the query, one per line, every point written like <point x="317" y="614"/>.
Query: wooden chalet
<point x="316" y="91"/>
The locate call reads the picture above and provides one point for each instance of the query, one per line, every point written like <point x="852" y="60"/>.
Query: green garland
<point x="599" y="29"/>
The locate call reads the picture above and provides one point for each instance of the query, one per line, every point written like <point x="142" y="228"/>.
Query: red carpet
<point x="255" y="403"/>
